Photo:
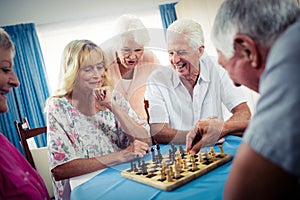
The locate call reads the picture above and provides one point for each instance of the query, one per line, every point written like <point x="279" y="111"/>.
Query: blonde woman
<point x="90" y="127"/>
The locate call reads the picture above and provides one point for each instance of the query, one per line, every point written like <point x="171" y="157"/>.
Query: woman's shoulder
<point x="58" y="100"/>
<point x="58" y="103"/>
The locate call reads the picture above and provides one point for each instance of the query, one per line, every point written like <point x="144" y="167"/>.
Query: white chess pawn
<point x="162" y="175"/>
<point x="169" y="177"/>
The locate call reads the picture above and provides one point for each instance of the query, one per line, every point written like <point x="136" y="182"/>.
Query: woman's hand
<point x="135" y="149"/>
<point x="103" y="96"/>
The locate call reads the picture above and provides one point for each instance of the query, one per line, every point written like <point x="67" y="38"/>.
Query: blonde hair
<point x="73" y="56"/>
<point x="5" y="41"/>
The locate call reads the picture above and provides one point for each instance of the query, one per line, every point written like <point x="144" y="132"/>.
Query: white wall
<point x="57" y="11"/>
<point x="202" y="11"/>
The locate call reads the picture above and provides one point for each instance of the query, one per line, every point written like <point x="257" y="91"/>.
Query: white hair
<point x="189" y="29"/>
<point x="263" y="21"/>
<point x="131" y="26"/>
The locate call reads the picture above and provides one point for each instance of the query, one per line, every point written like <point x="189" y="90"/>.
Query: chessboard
<point x="176" y="168"/>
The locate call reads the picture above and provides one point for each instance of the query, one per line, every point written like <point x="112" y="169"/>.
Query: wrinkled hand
<point x="206" y="132"/>
<point x="135" y="149"/>
<point x="103" y="96"/>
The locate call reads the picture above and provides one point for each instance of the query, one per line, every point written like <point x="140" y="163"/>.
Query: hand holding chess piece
<point x="137" y="149"/>
<point x="206" y="132"/>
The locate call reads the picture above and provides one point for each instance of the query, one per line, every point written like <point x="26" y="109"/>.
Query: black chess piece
<point x="144" y="168"/>
<point x="153" y="154"/>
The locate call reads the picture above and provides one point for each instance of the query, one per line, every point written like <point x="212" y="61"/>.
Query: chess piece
<point x="153" y="154"/>
<point x="177" y="169"/>
<point x="221" y="150"/>
<point x="169" y="177"/>
<point x="170" y="155"/>
<point x="144" y="168"/>
<point x="158" y="152"/>
<point x="173" y="147"/>
<point x="212" y="151"/>
<point x="162" y="175"/>
<point x="200" y="157"/>
<point x="181" y="150"/>
<point x="177" y="157"/>
<point x="185" y="166"/>
<point x="131" y="166"/>
<point x="194" y="166"/>
<point x="191" y="156"/>
<point x="171" y="170"/>
<point x="135" y="169"/>
<point x="163" y="164"/>
<point x="139" y="160"/>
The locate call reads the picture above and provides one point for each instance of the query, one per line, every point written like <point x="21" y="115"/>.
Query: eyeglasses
<point x="126" y="51"/>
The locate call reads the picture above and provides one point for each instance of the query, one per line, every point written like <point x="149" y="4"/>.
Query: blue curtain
<point x="167" y="14"/>
<point x="28" y="100"/>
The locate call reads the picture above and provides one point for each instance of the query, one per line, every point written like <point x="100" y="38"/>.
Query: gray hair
<point x="131" y="26"/>
<point x="189" y="29"/>
<point x="263" y="21"/>
<point x="5" y="41"/>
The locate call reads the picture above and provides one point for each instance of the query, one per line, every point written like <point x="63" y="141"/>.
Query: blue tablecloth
<point x="111" y="185"/>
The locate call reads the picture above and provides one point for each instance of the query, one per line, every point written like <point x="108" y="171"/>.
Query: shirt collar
<point x="204" y="71"/>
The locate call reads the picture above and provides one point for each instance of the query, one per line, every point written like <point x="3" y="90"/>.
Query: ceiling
<point x="55" y="11"/>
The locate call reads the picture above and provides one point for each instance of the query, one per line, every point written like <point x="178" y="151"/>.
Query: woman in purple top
<point x="18" y="180"/>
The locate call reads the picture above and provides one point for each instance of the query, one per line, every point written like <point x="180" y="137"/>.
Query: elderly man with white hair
<point x="192" y="91"/>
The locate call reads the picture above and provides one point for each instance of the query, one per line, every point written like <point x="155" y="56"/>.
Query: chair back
<point x="25" y="132"/>
<point x="38" y="158"/>
<point x="146" y="107"/>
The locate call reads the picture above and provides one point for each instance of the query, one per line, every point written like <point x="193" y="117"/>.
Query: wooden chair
<point x="25" y="132"/>
<point x="38" y="158"/>
<point x="146" y="107"/>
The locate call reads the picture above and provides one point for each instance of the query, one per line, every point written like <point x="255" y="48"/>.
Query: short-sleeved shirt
<point x="18" y="180"/>
<point x="72" y="135"/>
<point x="274" y="130"/>
<point x="171" y="103"/>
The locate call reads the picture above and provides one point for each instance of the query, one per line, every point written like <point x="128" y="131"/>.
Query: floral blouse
<point x="72" y="135"/>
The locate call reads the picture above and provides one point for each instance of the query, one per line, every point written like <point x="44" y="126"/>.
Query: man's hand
<point x="206" y="132"/>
